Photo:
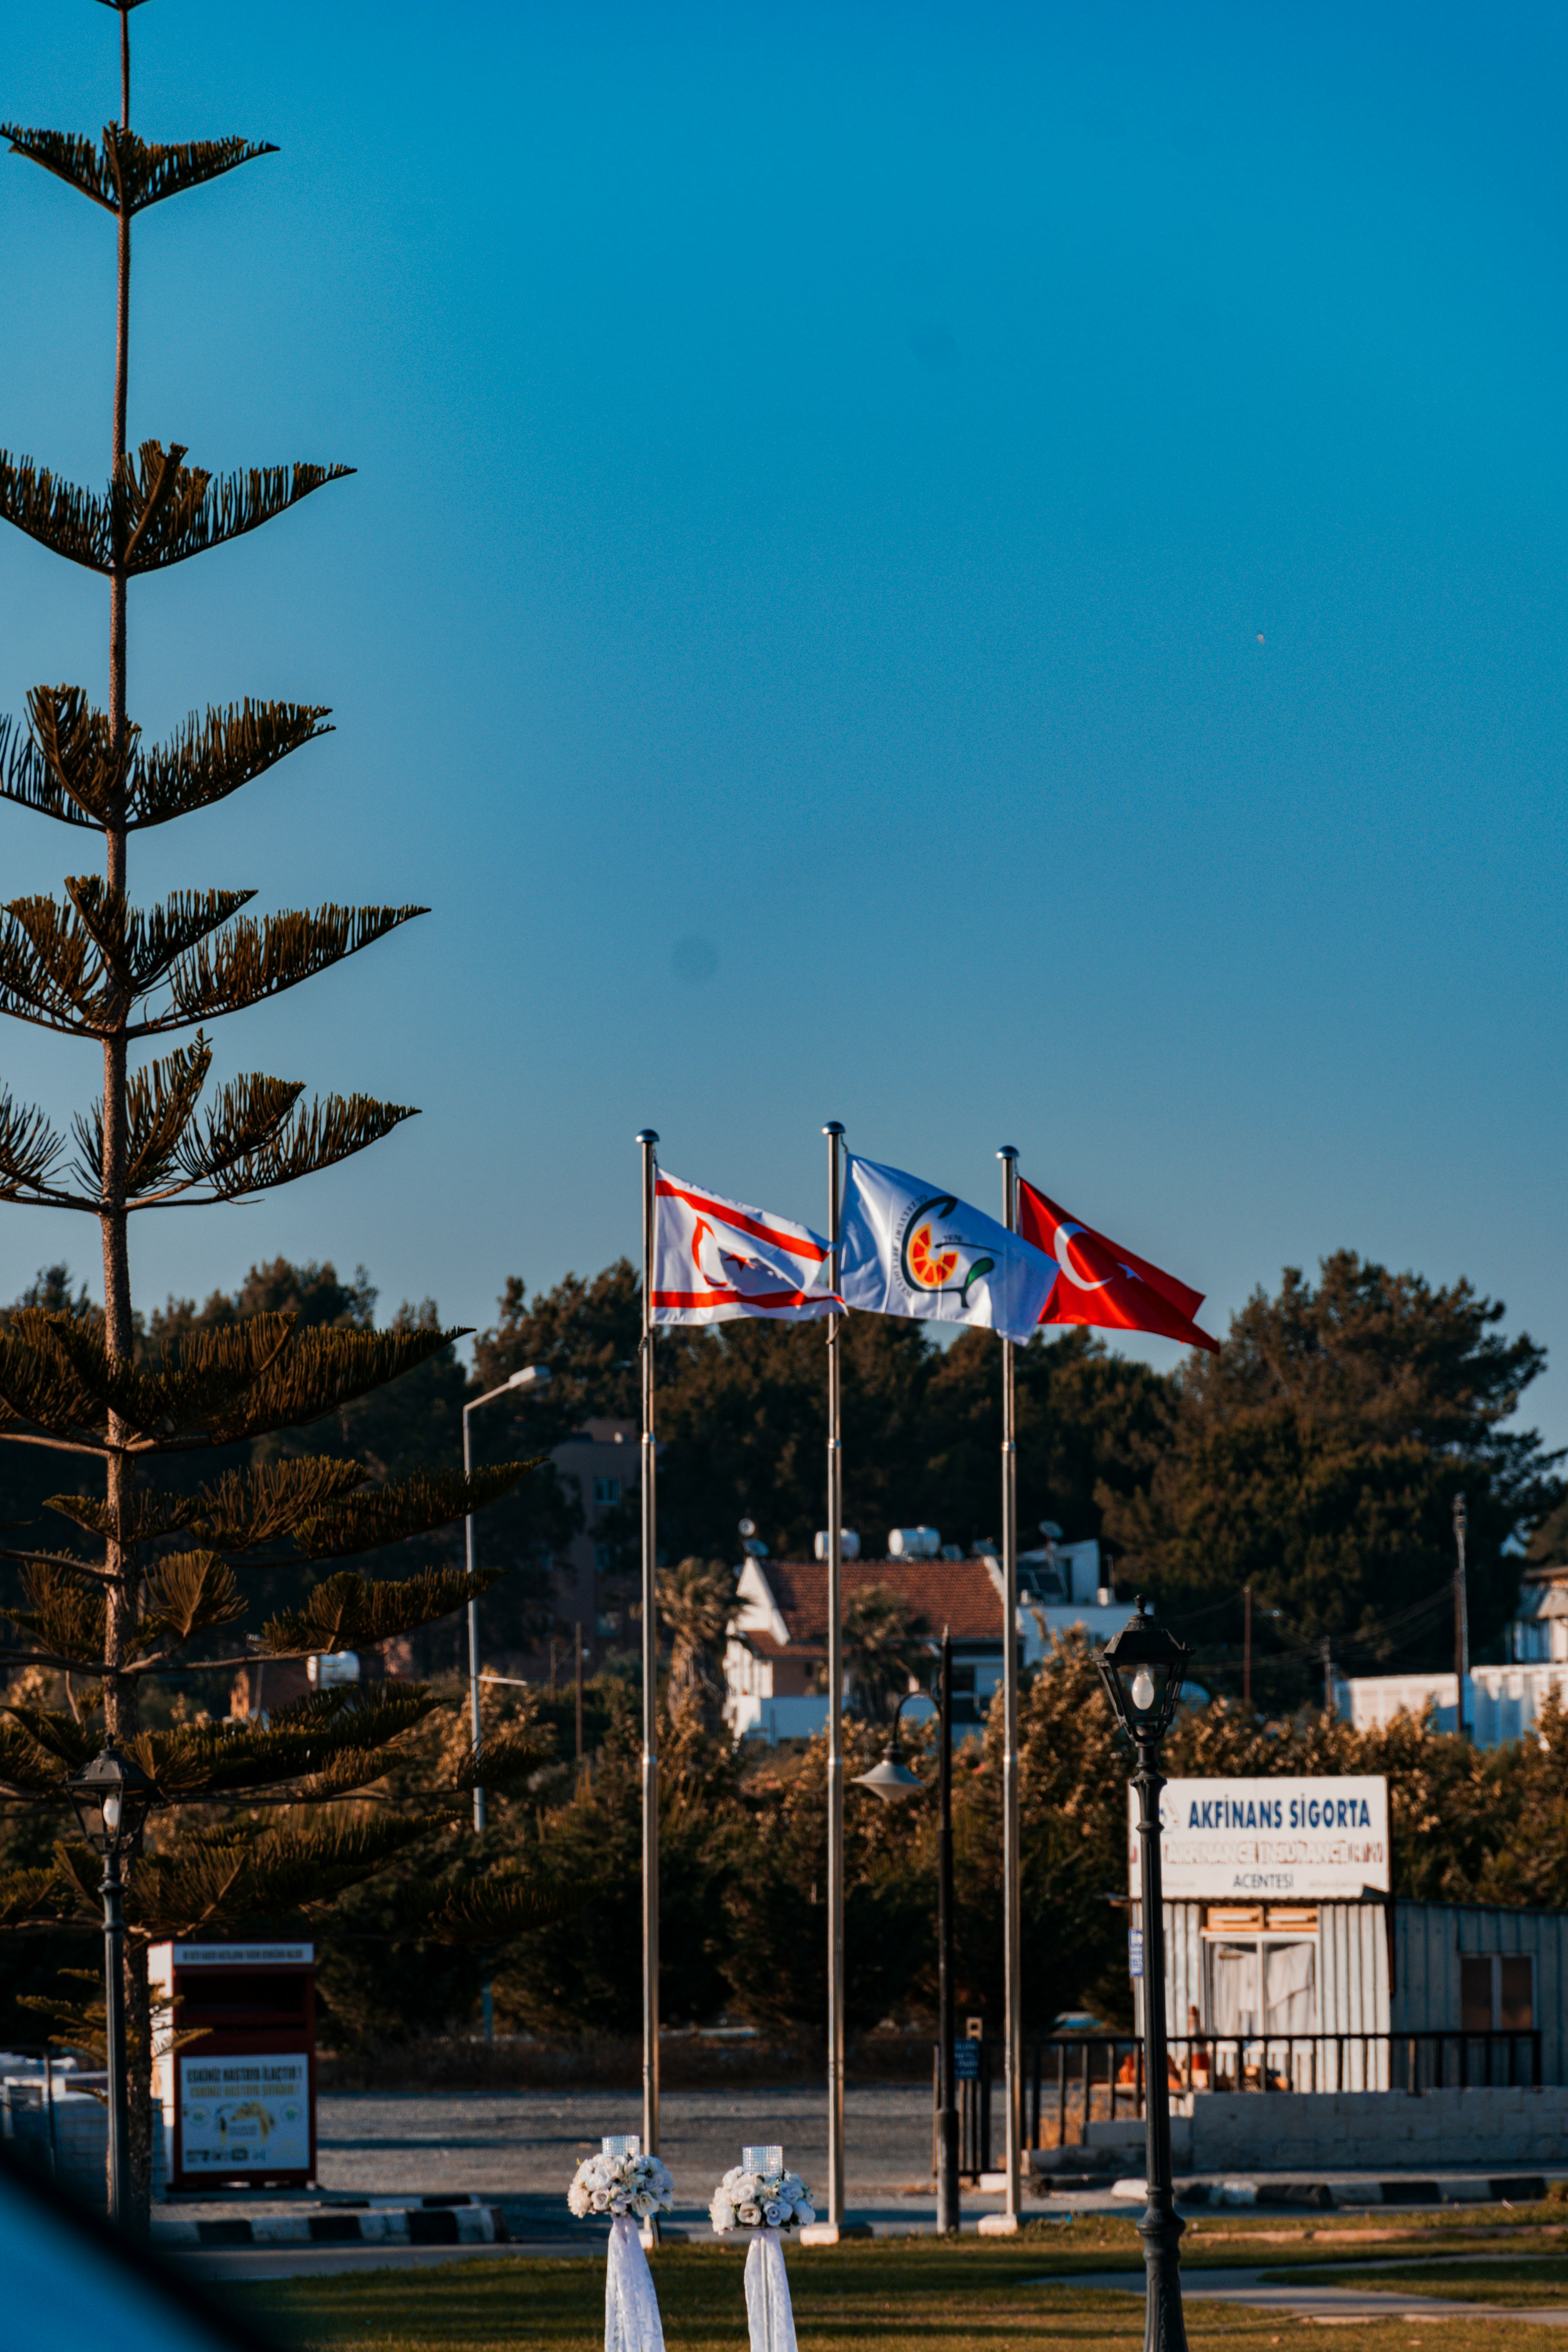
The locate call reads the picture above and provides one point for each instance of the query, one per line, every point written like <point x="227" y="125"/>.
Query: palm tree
<point x="697" y="1601"/>
<point x="881" y="1645"/>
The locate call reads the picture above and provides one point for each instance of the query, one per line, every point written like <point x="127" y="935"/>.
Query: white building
<point x="1501" y="1702"/>
<point x="775" y="1660"/>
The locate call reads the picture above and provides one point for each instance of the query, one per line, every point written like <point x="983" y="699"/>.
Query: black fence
<point x="1071" y="2080"/>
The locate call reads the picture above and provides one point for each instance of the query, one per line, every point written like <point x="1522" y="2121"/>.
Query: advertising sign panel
<point x="246" y="2115"/>
<point x="1282" y="1840"/>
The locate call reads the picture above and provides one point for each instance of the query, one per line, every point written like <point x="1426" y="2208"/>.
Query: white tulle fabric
<point x="769" y="2315"/>
<point x="632" y="2322"/>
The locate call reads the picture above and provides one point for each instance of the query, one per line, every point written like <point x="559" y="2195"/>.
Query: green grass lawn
<point x="978" y="2295"/>
<point x="1505" y="2279"/>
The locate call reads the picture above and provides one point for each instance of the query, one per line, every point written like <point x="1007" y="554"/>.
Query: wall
<point x="1352" y="1969"/>
<point x="1430" y="1938"/>
<point x="1501" y="1702"/>
<point x="1353" y="2130"/>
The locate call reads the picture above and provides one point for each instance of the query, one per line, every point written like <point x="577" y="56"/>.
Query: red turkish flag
<point x="1103" y="1284"/>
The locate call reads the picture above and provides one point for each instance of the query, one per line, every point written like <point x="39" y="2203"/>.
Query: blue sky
<point x="991" y="573"/>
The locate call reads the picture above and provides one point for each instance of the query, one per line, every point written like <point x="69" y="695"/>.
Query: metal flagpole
<point x="833" y="1132"/>
<point x="1461" y="1617"/>
<point x="647" y="1140"/>
<point x="1012" y="1924"/>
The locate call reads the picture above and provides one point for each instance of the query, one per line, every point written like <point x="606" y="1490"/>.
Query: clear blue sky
<point x="1023" y="543"/>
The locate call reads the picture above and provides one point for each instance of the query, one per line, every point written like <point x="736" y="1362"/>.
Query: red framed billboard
<point x="238" y="2090"/>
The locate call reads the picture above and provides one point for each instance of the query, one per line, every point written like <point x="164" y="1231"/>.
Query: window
<point x="1497" y="1992"/>
<point x="606" y="1490"/>
<point x="604" y="1558"/>
<point x="1261" y="1985"/>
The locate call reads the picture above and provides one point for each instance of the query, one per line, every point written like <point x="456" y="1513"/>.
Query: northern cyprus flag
<point x="908" y="1248"/>
<point x="714" y="1260"/>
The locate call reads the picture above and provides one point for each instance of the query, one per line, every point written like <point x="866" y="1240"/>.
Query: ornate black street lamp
<point x="1142" y="1668"/>
<point x="891" y="1780"/>
<point x="112" y="1797"/>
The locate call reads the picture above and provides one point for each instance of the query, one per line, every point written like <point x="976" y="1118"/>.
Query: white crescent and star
<point x="1064" y="1233"/>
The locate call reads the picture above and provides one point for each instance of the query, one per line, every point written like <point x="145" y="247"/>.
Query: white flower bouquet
<point x="621" y="2188"/>
<point x="756" y="2199"/>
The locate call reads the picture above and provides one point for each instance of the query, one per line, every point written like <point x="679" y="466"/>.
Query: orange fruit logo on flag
<point x="929" y="1265"/>
<point x="930" y="1269"/>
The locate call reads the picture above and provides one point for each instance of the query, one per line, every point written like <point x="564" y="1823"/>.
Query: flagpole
<point x="1011" y="1904"/>
<point x="833" y="1132"/>
<point x="647" y="1140"/>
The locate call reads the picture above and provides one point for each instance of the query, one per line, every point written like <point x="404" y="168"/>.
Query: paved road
<point x="518" y="2149"/>
<point x="506" y="2144"/>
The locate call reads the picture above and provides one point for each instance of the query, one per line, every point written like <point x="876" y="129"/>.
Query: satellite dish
<point x="748" y="1527"/>
<point x="1051" y="1530"/>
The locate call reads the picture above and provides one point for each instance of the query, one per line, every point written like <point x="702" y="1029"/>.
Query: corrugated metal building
<point x="1301" y="1994"/>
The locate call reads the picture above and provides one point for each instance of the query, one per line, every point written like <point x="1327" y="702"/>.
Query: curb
<point x="434" y="2222"/>
<point x="1466" y="2188"/>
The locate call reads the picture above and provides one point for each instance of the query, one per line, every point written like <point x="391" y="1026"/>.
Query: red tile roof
<point x="957" y="1593"/>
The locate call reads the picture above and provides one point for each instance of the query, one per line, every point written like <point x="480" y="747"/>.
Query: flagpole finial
<point x="834" y="1127"/>
<point x="648" y="1135"/>
<point x="1008" y="1151"/>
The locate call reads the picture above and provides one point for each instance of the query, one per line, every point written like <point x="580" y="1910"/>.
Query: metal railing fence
<point x="1070" y="2080"/>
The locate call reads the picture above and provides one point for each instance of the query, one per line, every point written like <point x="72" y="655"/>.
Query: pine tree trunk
<point x="120" y="1706"/>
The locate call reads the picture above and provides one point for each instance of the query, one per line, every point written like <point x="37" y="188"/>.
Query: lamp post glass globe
<point x="111" y="1797"/>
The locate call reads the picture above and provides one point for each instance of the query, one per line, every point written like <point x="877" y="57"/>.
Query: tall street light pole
<point x="1142" y="1668"/>
<point x="531" y="1376"/>
<point x="112" y="1797"/>
<point x="891" y="1780"/>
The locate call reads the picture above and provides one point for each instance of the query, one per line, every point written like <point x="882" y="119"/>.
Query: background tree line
<point x="1316" y="1457"/>
<point x="742" y="1846"/>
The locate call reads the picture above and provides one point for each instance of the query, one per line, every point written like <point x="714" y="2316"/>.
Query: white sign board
<point x="243" y="1956"/>
<point x="246" y="2115"/>
<point x="1284" y="1841"/>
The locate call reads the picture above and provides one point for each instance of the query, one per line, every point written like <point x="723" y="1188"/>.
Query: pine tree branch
<point x="350" y="1611"/>
<point x="301" y="1741"/>
<point x="322" y="1372"/>
<point x="213" y="756"/>
<point x="496" y="1907"/>
<point x="226" y="1880"/>
<point x="66" y="766"/>
<point x="157" y="510"/>
<point x="329" y="1132"/>
<point x="255" y="959"/>
<point x="41" y="1902"/>
<point x="238" y="1512"/>
<point x="29" y="1151"/>
<point x="56" y="1373"/>
<point x="189" y="1592"/>
<point x="160" y="1103"/>
<point x="126" y="170"/>
<point x="412" y="1507"/>
<point x="62" y="1559"/>
<point x="141" y="946"/>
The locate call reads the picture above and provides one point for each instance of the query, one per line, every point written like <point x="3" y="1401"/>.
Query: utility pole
<point x="1247" y="1648"/>
<point x="1328" y="1679"/>
<point x="1461" y="1616"/>
<point x="577" y="1632"/>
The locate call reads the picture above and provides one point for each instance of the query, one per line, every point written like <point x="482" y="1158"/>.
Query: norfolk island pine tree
<point x="148" y="1570"/>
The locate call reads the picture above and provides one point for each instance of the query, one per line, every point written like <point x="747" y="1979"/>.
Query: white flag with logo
<point x="906" y="1248"/>
<point x="715" y="1259"/>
